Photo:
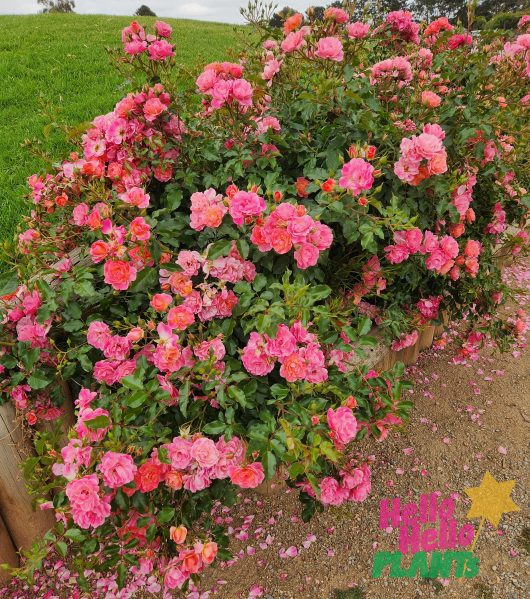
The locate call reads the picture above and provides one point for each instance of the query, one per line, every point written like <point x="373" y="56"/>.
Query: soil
<point x="466" y="420"/>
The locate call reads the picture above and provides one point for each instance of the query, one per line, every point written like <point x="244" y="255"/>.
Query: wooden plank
<point x="8" y="554"/>
<point x="426" y="337"/>
<point x="23" y="523"/>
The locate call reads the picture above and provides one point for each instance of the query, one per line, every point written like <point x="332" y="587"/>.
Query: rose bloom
<point x="180" y="318"/>
<point x="163" y="29"/>
<point x="292" y="23"/>
<point x="204" y="452"/>
<point x="191" y="562"/>
<point x="246" y="204"/>
<point x="293" y="368"/>
<point x="430" y="99"/>
<point x="178" y="534"/>
<point x="294" y="41"/>
<point x="160" y="50"/>
<point x="174" y="577"/>
<point x="119" y="274"/>
<point x="117" y="469"/>
<point x="306" y="255"/>
<point x="343" y="424"/>
<point x="330" y="48"/>
<point x="173" y="480"/>
<point x="148" y="477"/>
<point x="153" y="108"/>
<point x="208" y="552"/>
<point x="357" y="30"/>
<point x="161" y="301"/>
<point x="247" y="477"/>
<point x="136" y="196"/>
<point x="139" y="229"/>
<point x="357" y="175"/>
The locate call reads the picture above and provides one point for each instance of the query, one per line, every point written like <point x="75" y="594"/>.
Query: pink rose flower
<point x="179" y="451"/>
<point x="163" y="29"/>
<point x="357" y="176"/>
<point x="343" y="424"/>
<point x="247" y="477"/>
<point x="117" y="469"/>
<point x="204" y="452"/>
<point x="160" y="50"/>
<point x="357" y="30"/>
<point x="98" y="334"/>
<point x="246" y="204"/>
<point x="330" y="48"/>
<point x="119" y="274"/>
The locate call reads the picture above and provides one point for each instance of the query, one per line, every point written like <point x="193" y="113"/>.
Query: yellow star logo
<point x="491" y="500"/>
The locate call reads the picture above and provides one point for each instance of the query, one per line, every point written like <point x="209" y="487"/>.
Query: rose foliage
<point x="205" y="271"/>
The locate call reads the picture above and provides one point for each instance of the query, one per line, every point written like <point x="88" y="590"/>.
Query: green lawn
<point x="61" y="60"/>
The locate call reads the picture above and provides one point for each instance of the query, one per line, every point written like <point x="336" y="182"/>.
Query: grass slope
<point x="61" y="60"/>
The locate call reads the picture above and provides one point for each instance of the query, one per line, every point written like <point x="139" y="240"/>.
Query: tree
<point x="145" y="11"/>
<point x="278" y="18"/>
<point x="316" y="13"/>
<point x="50" y="6"/>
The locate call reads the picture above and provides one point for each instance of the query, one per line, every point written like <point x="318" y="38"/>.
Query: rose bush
<point x="206" y="270"/>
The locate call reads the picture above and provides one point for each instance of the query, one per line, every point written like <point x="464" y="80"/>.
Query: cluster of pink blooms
<point x="188" y="562"/>
<point x="422" y="155"/>
<point x="114" y="148"/>
<point x="401" y="23"/>
<point x="405" y="340"/>
<point x="206" y="300"/>
<point x="208" y="208"/>
<point x="462" y="198"/>
<point x="196" y="462"/>
<point x="224" y="84"/>
<point x="295" y="348"/>
<point x="22" y="314"/>
<point x="433" y="30"/>
<point x="441" y="252"/>
<point x="429" y="307"/>
<point x="498" y="222"/>
<point x="116" y="350"/>
<point x="136" y="41"/>
<point x="371" y="280"/>
<point x="288" y="226"/>
<point x="397" y="69"/>
<point x="89" y="506"/>
<point x="354" y="485"/>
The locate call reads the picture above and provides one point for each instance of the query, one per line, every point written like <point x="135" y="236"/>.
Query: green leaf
<point x="214" y="428"/>
<point x="184" y="396"/>
<point x="133" y="383"/>
<point x="75" y="535"/>
<point x="72" y="325"/>
<point x="62" y="548"/>
<point x="38" y="380"/>
<point x="238" y="395"/>
<point x="101" y="421"/>
<point x="8" y="282"/>
<point x="122" y="573"/>
<point x="270" y="464"/>
<point x="219" y="248"/>
<point x="165" y="515"/>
